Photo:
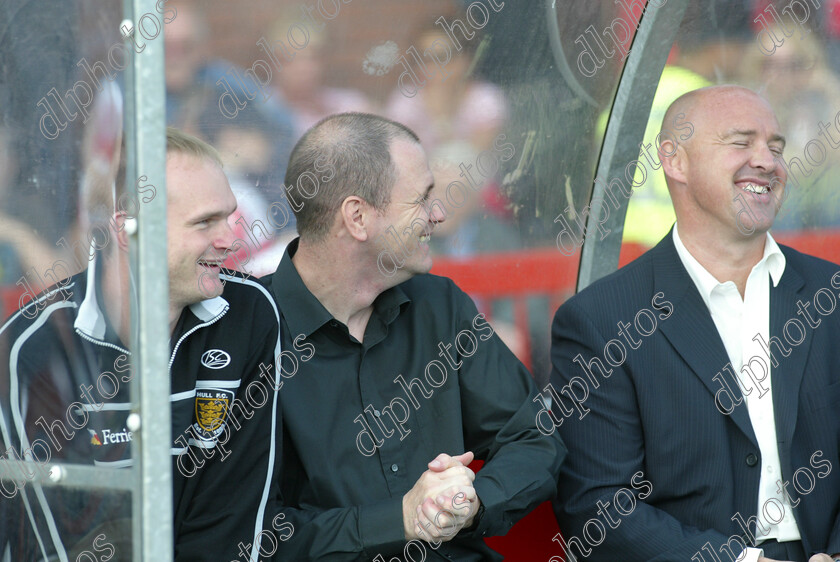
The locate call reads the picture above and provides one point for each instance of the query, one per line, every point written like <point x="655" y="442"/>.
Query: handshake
<point x="442" y="501"/>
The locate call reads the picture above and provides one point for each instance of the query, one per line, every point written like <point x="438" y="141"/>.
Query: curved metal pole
<point x="626" y="129"/>
<point x="560" y="55"/>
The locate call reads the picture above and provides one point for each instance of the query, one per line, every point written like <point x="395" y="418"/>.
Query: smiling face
<point x="408" y="211"/>
<point x="198" y="206"/>
<point x="730" y="162"/>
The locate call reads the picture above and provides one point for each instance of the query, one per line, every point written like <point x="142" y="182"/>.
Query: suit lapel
<point x="787" y="377"/>
<point x="691" y="330"/>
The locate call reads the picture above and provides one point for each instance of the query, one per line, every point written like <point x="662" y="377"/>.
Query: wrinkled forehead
<point x="736" y="109"/>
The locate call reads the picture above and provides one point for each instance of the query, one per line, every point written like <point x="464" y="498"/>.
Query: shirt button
<point x="377" y="413"/>
<point x="333" y="323"/>
<point x="751" y="460"/>
<point x="394" y="468"/>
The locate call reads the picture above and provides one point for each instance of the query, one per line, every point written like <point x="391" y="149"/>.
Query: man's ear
<point x="355" y="216"/>
<point x="118" y="221"/>
<point x="674" y="159"/>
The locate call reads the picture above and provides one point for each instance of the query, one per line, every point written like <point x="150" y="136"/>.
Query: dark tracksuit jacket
<point x="64" y="397"/>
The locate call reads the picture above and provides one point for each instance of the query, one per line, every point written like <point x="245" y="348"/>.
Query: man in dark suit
<point x="697" y="387"/>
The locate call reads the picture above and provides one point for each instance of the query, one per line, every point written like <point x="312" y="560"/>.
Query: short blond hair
<point x="177" y="141"/>
<point x="185" y="143"/>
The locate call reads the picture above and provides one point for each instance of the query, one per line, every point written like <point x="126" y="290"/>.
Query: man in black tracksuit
<point x="65" y="373"/>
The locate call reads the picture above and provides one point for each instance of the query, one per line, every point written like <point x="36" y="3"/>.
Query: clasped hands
<point x="442" y="501"/>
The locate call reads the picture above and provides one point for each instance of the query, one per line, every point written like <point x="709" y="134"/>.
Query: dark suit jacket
<point x="656" y="413"/>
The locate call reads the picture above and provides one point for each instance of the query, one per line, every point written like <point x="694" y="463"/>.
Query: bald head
<point x="733" y="158"/>
<point x="343" y="155"/>
<point x="696" y="104"/>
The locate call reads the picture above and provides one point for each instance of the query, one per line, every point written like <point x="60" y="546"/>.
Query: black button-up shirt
<point x="361" y="420"/>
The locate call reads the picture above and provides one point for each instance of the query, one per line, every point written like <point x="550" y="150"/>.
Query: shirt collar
<point x="93" y="322"/>
<point x="304" y="313"/>
<point x="209" y="309"/>
<point x="773" y="261"/>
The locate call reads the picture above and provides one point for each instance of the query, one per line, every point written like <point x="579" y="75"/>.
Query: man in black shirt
<point x="391" y="379"/>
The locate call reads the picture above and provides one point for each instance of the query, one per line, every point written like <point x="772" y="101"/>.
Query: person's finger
<point x="456" y="472"/>
<point x="424" y="526"/>
<point x="440" y="462"/>
<point x="435" y="483"/>
<point x="457" y="499"/>
<point x="444" y="523"/>
<point x="426" y="515"/>
<point x="444" y="461"/>
<point x="465" y="458"/>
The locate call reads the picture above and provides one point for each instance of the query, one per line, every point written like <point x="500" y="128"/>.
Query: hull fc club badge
<point x="211" y="410"/>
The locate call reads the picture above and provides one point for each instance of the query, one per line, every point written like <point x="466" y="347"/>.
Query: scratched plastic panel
<point x="64" y="360"/>
<point x="505" y="96"/>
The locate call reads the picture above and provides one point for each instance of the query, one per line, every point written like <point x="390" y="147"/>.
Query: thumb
<point x="444" y="461"/>
<point x="465" y="458"/>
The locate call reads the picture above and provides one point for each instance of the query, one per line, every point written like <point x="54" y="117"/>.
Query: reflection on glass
<point x="64" y="371"/>
<point x="803" y="89"/>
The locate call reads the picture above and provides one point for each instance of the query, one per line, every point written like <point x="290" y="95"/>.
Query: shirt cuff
<point x="750" y="554"/>
<point x="381" y="526"/>
<point x="492" y="520"/>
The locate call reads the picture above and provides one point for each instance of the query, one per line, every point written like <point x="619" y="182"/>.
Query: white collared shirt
<point x="738" y="321"/>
